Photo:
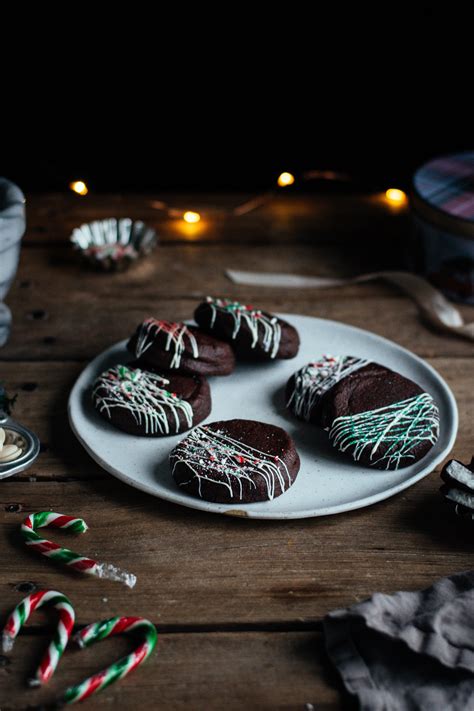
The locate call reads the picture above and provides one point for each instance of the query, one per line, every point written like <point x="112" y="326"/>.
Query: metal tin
<point x="443" y="211"/>
<point x="29" y="443"/>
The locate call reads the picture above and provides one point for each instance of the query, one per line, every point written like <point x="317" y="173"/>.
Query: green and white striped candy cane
<point x="100" y="630"/>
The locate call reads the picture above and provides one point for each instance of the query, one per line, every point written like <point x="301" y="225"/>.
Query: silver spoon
<point x="31" y="448"/>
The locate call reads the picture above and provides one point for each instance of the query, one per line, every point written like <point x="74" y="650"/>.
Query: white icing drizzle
<point x="206" y="449"/>
<point x="460" y="473"/>
<point x="401" y="426"/>
<point x="316" y="378"/>
<point x="256" y="320"/>
<point x="462" y="498"/>
<point x="176" y="335"/>
<point x="143" y="395"/>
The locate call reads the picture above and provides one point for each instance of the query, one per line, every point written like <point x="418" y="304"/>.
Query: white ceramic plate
<point x="327" y="483"/>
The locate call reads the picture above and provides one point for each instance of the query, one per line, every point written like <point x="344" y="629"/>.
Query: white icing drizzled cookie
<point x="316" y="378"/>
<point x="144" y="396"/>
<point x="260" y="325"/>
<point x="176" y="336"/>
<point x="235" y="461"/>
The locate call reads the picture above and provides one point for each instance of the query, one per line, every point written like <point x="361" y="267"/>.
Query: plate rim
<point x="235" y="510"/>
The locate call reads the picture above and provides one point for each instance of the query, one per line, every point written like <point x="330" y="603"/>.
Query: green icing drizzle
<point x="400" y="427"/>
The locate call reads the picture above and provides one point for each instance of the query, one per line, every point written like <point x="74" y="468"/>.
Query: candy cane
<point x="100" y="630"/>
<point x="64" y="555"/>
<point x="58" y="644"/>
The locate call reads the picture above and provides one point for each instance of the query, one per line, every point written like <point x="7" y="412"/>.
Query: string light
<point x="395" y="196"/>
<point x="191" y="217"/>
<point x="79" y="187"/>
<point x="285" y="179"/>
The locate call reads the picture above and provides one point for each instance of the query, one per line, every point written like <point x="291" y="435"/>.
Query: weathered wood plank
<point x="198" y="568"/>
<point x="94" y="309"/>
<point x="181" y="270"/>
<point x="264" y="670"/>
<point x="83" y="322"/>
<point x="43" y="390"/>
<point x="51" y="218"/>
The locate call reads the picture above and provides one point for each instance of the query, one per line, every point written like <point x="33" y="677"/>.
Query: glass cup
<point x="12" y="228"/>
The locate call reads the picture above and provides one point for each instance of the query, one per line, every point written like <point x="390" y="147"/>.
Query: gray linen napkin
<point x="408" y="651"/>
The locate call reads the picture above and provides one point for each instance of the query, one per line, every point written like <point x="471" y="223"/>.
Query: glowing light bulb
<point x="191" y="217"/>
<point x="79" y="187"/>
<point x="395" y="196"/>
<point x="285" y="179"/>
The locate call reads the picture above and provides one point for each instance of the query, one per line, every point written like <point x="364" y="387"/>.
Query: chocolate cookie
<point x="144" y="403"/>
<point x="235" y="461"/>
<point x="186" y="349"/>
<point x="253" y="334"/>
<point x="306" y="387"/>
<point x="380" y="418"/>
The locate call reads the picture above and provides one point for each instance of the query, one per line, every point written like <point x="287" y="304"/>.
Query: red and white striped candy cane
<point x="100" y="630"/>
<point x="64" y="555"/>
<point x="58" y="644"/>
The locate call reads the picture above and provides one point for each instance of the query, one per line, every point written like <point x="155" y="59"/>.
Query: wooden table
<point x="237" y="603"/>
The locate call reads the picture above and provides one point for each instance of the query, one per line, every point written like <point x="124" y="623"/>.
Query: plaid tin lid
<point x="447" y="184"/>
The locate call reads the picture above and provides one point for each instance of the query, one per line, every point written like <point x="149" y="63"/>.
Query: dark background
<point x="227" y="102"/>
<point x="381" y="165"/>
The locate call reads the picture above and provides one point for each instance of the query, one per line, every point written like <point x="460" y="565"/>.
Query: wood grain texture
<point x="51" y="218"/>
<point x="237" y="602"/>
<point x="246" y="670"/>
<point x="64" y="312"/>
<point x="199" y="569"/>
